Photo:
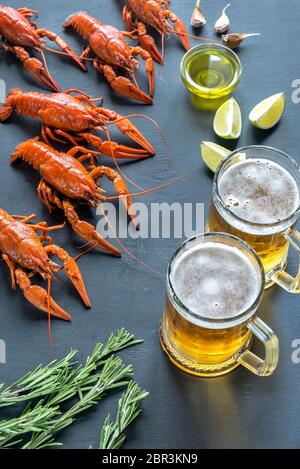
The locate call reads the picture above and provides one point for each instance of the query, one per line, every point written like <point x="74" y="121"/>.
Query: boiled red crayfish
<point x="138" y="14"/>
<point x="113" y="54"/>
<point x="61" y="113"/>
<point x="18" y="33"/>
<point x="25" y="255"/>
<point x="66" y="182"/>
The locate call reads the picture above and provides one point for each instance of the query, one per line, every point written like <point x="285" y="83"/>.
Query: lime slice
<point x="228" y="120"/>
<point x="239" y="157"/>
<point x="213" y="154"/>
<point x="268" y="112"/>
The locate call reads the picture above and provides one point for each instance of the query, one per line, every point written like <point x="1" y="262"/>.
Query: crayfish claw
<point x="147" y="42"/>
<point x="180" y="29"/>
<point x="34" y="68"/>
<point x="115" y="150"/>
<point x="37" y="70"/>
<point x="39" y="297"/>
<point x="127" y="128"/>
<point x="72" y="270"/>
<point x="86" y="231"/>
<point x="74" y="274"/>
<point x="124" y="86"/>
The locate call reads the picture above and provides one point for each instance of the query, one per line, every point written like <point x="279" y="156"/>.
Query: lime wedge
<point x="239" y="157"/>
<point x="268" y="112"/>
<point x="228" y="120"/>
<point x="213" y="154"/>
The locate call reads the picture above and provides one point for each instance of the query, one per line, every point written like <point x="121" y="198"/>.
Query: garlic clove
<point x="235" y="39"/>
<point x="198" y="19"/>
<point x="222" y="24"/>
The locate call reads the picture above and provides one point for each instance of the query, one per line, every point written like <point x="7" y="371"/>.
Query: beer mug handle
<point x="282" y="278"/>
<point x="254" y="363"/>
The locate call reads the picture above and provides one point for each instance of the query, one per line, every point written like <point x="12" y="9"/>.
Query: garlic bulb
<point x="235" y="39"/>
<point x="222" y="24"/>
<point x="198" y="19"/>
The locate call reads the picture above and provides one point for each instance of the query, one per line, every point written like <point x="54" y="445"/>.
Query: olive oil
<point x="210" y="71"/>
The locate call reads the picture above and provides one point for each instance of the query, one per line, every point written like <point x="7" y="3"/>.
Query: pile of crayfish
<point x="65" y="182"/>
<point x="112" y="53"/>
<point x="25" y="254"/>
<point x="18" y="34"/>
<point x="138" y="14"/>
<point x="73" y="118"/>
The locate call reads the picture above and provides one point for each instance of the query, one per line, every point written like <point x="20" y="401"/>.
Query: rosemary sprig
<point x="59" y="375"/>
<point x="113" y="433"/>
<point x="64" y="383"/>
<point x="114" y="375"/>
<point x="33" y="419"/>
<point x="82" y="379"/>
<point x="39" y="382"/>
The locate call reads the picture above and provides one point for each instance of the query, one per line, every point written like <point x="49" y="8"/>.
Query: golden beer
<point x="257" y="199"/>
<point x="214" y="286"/>
<point x="209" y="347"/>
<point x="272" y="249"/>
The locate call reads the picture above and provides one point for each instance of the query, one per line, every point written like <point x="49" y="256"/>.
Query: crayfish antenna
<point x="44" y="75"/>
<point x="128" y="252"/>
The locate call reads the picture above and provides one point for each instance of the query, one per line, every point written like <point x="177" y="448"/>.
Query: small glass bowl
<point x="210" y="70"/>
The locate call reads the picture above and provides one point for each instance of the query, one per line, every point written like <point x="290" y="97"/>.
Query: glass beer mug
<point x="256" y="196"/>
<point x="215" y="284"/>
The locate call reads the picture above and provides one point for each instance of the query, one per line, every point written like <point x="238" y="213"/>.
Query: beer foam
<point x="259" y="191"/>
<point x="215" y="280"/>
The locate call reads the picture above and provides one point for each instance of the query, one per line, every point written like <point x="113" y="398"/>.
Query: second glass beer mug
<point x="215" y="284"/>
<point x="256" y="196"/>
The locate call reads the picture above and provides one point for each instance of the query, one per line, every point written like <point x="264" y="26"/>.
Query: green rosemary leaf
<point x="113" y="433"/>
